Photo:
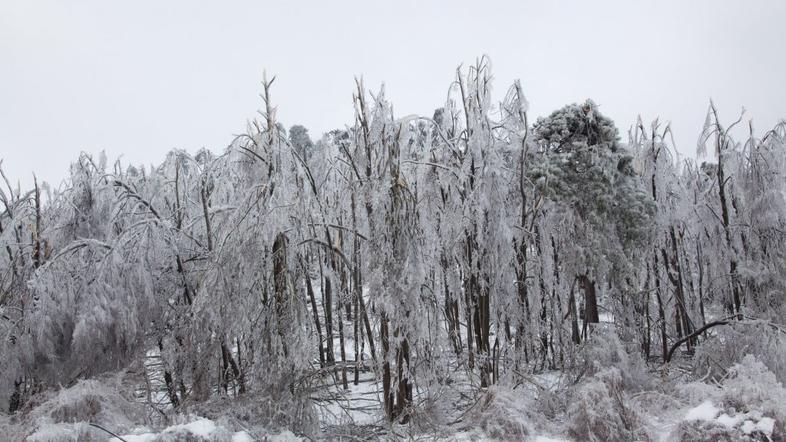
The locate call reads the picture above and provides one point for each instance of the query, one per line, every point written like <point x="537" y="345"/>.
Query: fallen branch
<point x="706" y="327"/>
<point x="104" y="429"/>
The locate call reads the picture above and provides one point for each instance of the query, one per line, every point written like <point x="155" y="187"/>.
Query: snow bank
<point x="748" y="423"/>
<point x="704" y="412"/>
<point x="65" y="415"/>
<point x="206" y="430"/>
<point x="750" y="402"/>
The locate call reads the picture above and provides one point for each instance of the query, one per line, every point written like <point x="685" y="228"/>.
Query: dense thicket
<point x="473" y="244"/>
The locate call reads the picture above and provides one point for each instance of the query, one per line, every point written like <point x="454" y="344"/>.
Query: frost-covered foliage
<point x="749" y="405"/>
<point x="751" y="386"/>
<point x="444" y="260"/>
<point x="601" y="411"/>
<point x="66" y="415"/>
<point x="604" y="350"/>
<point x="503" y="414"/>
<point x="205" y="430"/>
<point x="575" y="127"/>
<point x="735" y="341"/>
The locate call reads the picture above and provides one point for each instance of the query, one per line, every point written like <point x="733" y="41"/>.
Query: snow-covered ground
<point x="746" y="422"/>
<point x="204" y="429"/>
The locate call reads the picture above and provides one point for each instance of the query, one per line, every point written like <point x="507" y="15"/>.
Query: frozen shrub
<point x="200" y="430"/>
<point x="551" y="403"/>
<point x="655" y="403"/>
<point x="83" y="408"/>
<point x="601" y="411"/>
<point x="271" y="411"/>
<point x="736" y="340"/>
<point x="752" y="387"/>
<point x="749" y="405"/>
<point x="725" y="427"/>
<point x="705" y="431"/>
<point x="603" y="349"/>
<point x="750" y="383"/>
<point x="66" y="415"/>
<point x="66" y="433"/>
<point x="503" y="414"/>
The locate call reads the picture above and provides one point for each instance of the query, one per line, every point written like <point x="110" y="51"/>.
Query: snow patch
<point x="205" y="429"/>
<point x="242" y="436"/>
<point x="706" y="411"/>
<point x="284" y="436"/>
<point x="748" y="426"/>
<point x="548" y="439"/>
<point x="200" y="427"/>
<point x="728" y="421"/>
<point x="752" y="421"/>
<point x="766" y="425"/>
<point x="146" y="437"/>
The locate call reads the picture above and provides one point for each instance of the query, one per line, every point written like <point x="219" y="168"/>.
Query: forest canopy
<point x="469" y="271"/>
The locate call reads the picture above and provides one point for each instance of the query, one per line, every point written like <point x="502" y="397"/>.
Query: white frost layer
<point x="200" y="427"/>
<point x="146" y="437"/>
<point x="729" y="421"/>
<point x="706" y="411"/>
<point x="205" y="428"/>
<point x="242" y="436"/>
<point x="766" y="425"/>
<point x="752" y="421"/>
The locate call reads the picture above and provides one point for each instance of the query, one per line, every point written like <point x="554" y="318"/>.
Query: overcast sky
<point x="138" y="78"/>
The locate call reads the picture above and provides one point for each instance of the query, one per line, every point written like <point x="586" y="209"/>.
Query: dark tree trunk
<point x="327" y="305"/>
<point x="404" y="390"/>
<point x="315" y="313"/>
<point x="387" y="394"/>
<point x="661" y="310"/>
<point x="735" y="303"/>
<point x="342" y="348"/>
<point x="574" y="320"/>
<point x="280" y="273"/>
<point x="590" y="300"/>
<point x="168" y="381"/>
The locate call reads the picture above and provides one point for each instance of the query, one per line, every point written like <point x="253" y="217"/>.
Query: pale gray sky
<point x="138" y="78"/>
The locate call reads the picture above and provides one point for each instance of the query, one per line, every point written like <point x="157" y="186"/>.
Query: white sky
<point x="139" y="78"/>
